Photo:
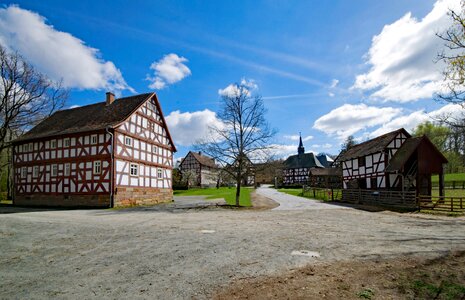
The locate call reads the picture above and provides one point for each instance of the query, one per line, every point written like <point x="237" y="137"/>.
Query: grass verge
<point x="449" y="177"/>
<point x="229" y="194"/>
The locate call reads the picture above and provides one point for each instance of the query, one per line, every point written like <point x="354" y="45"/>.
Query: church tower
<point x="301" y="149"/>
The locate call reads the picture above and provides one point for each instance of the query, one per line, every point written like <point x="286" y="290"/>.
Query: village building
<point x="114" y="153"/>
<point x="201" y="167"/>
<point x="395" y="162"/>
<point x="296" y="168"/>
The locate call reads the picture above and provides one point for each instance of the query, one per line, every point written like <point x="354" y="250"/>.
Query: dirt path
<point x="290" y="202"/>
<point x="401" y="278"/>
<point x="186" y="253"/>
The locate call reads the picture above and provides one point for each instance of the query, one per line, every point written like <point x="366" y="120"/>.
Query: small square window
<point x="53" y="144"/>
<point x="128" y="141"/>
<point x="97" y="167"/>
<point x="35" y="172"/>
<point x="67" y="169"/>
<point x="134" y="170"/>
<point x="93" y="139"/>
<point x="154" y="149"/>
<point x="54" y="170"/>
<point x="23" y="172"/>
<point x="160" y="173"/>
<point x="66" y="143"/>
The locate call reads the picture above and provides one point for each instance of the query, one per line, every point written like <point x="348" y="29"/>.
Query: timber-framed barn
<point x="114" y="153"/>
<point x="202" y="166"/>
<point x="393" y="162"/>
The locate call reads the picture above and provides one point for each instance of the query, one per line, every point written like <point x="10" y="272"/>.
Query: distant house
<point x="113" y="153"/>
<point x="296" y="168"/>
<point x="394" y="161"/>
<point x="268" y="171"/>
<point x="202" y="167"/>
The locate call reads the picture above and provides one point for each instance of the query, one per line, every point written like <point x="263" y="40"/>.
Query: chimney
<point x="200" y="153"/>
<point x="110" y="98"/>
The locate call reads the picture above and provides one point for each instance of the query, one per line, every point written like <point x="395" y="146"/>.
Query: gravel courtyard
<point x="191" y="253"/>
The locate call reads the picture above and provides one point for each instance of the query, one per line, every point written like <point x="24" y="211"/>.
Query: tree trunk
<point x="238" y="190"/>
<point x="9" y="178"/>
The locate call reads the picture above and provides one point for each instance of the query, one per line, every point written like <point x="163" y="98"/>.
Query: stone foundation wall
<point x="125" y="196"/>
<point x="62" y="200"/>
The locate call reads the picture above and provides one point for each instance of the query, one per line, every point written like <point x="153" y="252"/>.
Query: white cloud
<point x="57" y="54"/>
<point x="296" y="137"/>
<point x="410" y="121"/>
<point x="283" y="151"/>
<point x="402" y="57"/>
<point x="334" y="83"/>
<point x="322" y="146"/>
<point x="190" y="127"/>
<point x="232" y="90"/>
<point x="349" y="119"/>
<point x="168" y="70"/>
<point x="331" y="94"/>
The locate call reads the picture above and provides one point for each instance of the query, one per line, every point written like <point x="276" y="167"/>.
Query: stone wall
<point x="125" y="196"/>
<point x="62" y="200"/>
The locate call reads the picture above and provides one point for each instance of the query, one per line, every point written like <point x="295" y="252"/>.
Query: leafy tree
<point x="436" y="133"/>
<point x="348" y="143"/>
<point x="243" y="134"/>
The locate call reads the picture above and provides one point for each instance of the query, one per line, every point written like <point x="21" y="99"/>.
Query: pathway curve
<point x="290" y="202"/>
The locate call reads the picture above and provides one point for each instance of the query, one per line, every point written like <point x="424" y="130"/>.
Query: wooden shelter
<point x="114" y="153"/>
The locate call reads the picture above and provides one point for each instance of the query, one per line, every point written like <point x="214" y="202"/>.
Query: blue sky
<point x="324" y="68"/>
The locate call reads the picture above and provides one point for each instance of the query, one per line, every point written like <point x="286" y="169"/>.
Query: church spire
<point x="301" y="149"/>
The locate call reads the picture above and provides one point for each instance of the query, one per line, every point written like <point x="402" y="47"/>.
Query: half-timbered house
<point x="113" y="153"/>
<point x="394" y="161"/>
<point x="202" y="167"/>
<point x="296" y="167"/>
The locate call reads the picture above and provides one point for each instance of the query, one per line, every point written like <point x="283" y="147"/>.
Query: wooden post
<point x="441" y="185"/>
<point x="332" y="194"/>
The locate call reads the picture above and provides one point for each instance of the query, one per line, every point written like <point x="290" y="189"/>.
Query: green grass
<point x="449" y="177"/>
<point x="229" y="194"/>
<point x="294" y="192"/>
<point x="449" y="193"/>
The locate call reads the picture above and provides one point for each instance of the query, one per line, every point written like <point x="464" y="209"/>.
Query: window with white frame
<point x="134" y="170"/>
<point x="97" y="167"/>
<point x="154" y="149"/>
<point x="160" y="173"/>
<point x="67" y="169"/>
<point x="128" y="141"/>
<point x="53" y="144"/>
<point x="54" y="170"/>
<point x="20" y="148"/>
<point x="93" y="139"/>
<point x="66" y="142"/>
<point x="35" y="172"/>
<point x="23" y="172"/>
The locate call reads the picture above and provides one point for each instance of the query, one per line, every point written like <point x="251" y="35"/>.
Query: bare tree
<point x="27" y="97"/>
<point x="453" y="56"/>
<point x="242" y="136"/>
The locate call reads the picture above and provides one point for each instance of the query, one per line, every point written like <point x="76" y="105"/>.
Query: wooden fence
<point x="322" y="193"/>
<point x="442" y="204"/>
<point x="450" y="185"/>
<point x="394" y="199"/>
